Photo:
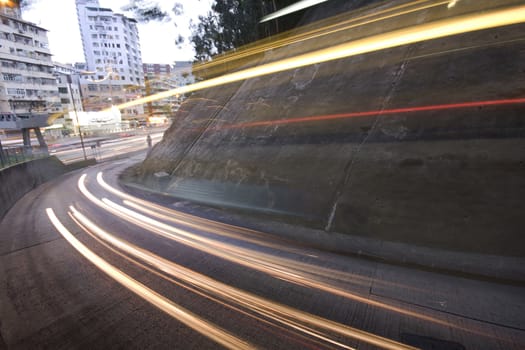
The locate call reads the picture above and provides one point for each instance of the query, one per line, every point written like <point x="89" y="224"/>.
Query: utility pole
<point x="76" y="115"/>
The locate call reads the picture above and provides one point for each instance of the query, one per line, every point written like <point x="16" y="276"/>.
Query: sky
<point x="157" y="40"/>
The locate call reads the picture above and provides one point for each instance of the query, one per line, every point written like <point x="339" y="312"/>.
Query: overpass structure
<point x="25" y="122"/>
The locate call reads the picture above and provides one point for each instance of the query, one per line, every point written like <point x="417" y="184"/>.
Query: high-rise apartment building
<point x="28" y="89"/>
<point x="113" y="58"/>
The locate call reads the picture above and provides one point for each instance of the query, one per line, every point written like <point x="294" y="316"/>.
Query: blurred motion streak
<point x="286" y="315"/>
<point x="243" y="234"/>
<point x="192" y="221"/>
<point x="164" y="304"/>
<point x="376" y="112"/>
<point x="266" y="263"/>
<point x="313" y="344"/>
<point x="418" y="33"/>
<point x="316" y="33"/>
<point x="298" y="6"/>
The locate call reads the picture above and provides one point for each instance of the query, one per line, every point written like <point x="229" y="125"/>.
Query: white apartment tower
<point x="113" y="57"/>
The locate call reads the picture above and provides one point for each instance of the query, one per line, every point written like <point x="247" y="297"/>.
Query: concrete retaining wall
<point x="19" y="179"/>
<point x="448" y="179"/>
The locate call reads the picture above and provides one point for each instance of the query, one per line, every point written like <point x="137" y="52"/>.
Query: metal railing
<point x="13" y="155"/>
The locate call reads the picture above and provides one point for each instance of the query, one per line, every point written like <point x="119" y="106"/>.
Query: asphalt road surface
<point x="105" y="149"/>
<point x="84" y="265"/>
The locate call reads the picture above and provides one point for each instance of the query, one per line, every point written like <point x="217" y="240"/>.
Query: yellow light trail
<point x="262" y="262"/>
<point x="418" y="33"/>
<point x="243" y="234"/>
<point x="182" y="284"/>
<point x="288" y="316"/>
<point x="347" y="24"/>
<point x="191" y="320"/>
<point x="188" y="220"/>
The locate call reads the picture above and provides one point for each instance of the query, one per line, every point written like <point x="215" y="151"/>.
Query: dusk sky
<point x="157" y="40"/>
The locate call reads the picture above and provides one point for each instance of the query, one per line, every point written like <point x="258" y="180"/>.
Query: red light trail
<point x="377" y="113"/>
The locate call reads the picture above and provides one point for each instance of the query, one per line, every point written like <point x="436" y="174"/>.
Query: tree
<point x="145" y="11"/>
<point x="206" y="37"/>
<point x="235" y="23"/>
<point x="229" y="25"/>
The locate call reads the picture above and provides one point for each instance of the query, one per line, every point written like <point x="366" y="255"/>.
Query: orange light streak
<point x="286" y="315"/>
<point x="249" y="258"/>
<point x="191" y="320"/>
<point x="418" y="33"/>
<point x="311" y="342"/>
<point x="316" y="33"/>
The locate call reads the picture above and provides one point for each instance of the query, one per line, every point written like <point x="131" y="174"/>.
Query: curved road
<point x="85" y="265"/>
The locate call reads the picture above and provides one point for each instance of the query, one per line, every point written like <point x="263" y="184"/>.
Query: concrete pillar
<point x="26" y="135"/>
<point x="41" y="140"/>
<point x="3" y="159"/>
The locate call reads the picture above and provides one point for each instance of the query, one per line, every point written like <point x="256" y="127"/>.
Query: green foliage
<point x="234" y="23"/>
<point x="229" y="25"/>
<point x="145" y="11"/>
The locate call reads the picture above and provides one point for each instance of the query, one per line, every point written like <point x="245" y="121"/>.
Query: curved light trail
<point x="238" y="233"/>
<point x="418" y="33"/>
<point x="327" y="28"/>
<point x="269" y="264"/>
<point x="193" y="321"/>
<point x="286" y="315"/>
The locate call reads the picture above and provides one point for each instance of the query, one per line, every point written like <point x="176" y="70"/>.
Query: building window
<point x="94" y="36"/>
<point x="16" y="92"/>
<point x="62" y="90"/>
<point x="64" y="101"/>
<point x="8" y="76"/>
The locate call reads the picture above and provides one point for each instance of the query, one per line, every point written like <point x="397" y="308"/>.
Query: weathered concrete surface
<point x="19" y="179"/>
<point x="443" y="179"/>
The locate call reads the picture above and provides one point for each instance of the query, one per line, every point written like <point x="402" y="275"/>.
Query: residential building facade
<point x="69" y="90"/>
<point x="162" y="77"/>
<point x="113" y="58"/>
<point x="158" y="79"/>
<point x="28" y="88"/>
